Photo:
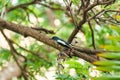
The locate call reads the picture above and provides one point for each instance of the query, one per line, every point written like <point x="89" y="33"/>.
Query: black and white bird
<point x="61" y="42"/>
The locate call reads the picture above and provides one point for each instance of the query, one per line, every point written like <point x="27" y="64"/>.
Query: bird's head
<point x="55" y="38"/>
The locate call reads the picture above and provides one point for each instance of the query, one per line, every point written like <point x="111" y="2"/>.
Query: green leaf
<point x="74" y="64"/>
<point x="110" y="55"/>
<point x="110" y="47"/>
<point x="107" y="63"/>
<point x="4" y="54"/>
<point x="115" y="28"/>
<point x="114" y="38"/>
<point x="110" y="68"/>
<point x="76" y="2"/>
<point x="106" y="78"/>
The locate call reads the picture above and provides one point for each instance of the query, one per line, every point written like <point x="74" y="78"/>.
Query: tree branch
<point x="92" y="32"/>
<point x="86" y="9"/>
<point x="25" y="30"/>
<point x="14" y="52"/>
<point x="21" y="5"/>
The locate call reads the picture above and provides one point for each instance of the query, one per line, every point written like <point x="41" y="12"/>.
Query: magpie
<point x="61" y="42"/>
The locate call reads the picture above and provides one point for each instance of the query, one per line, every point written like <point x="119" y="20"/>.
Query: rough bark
<point x="27" y="31"/>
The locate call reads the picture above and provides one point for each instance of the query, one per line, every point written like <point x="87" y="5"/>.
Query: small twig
<point x="33" y="53"/>
<point x="68" y="5"/>
<point x="43" y="29"/>
<point x="4" y="9"/>
<point x="50" y="7"/>
<point x="84" y="18"/>
<point x="13" y="51"/>
<point x="24" y="5"/>
<point x="25" y="59"/>
<point x="111" y="18"/>
<point x="104" y="20"/>
<point x="106" y="3"/>
<point x="87" y="3"/>
<point x="95" y="15"/>
<point x="112" y="11"/>
<point x="92" y="32"/>
<point x="3" y="12"/>
<point x="31" y="11"/>
<point x="80" y="9"/>
<point x="59" y="60"/>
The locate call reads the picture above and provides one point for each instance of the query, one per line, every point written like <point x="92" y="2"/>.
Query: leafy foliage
<point x="112" y="66"/>
<point x="59" y="19"/>
<point x="4" y="55"/>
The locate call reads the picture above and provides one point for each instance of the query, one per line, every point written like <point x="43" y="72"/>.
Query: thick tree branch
<point x="27" y="31"/>
<point x="83" y="53"/>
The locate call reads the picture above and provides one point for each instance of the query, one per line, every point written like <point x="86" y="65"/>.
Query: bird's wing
<point x="61" y="42"/>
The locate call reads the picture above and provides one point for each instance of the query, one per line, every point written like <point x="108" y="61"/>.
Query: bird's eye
<point x="76" y="42"/>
